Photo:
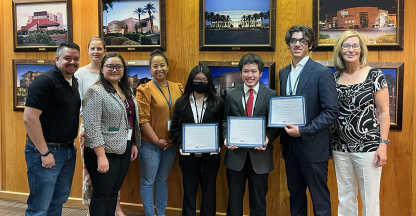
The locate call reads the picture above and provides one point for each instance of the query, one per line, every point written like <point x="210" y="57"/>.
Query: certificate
<point x="248" y="132"/>
<point x="287" y="109"/>
<point x="199" y="138"/>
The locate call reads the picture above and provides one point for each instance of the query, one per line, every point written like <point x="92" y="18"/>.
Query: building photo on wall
<point x="375" y="20"/>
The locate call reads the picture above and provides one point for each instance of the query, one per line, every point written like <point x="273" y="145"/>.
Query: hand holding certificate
<point x="246" y="132"/>
<point x="287" y="110"/>
<point x="199" y="138"/>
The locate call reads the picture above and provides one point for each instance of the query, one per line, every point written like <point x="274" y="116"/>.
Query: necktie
<point x="250" y="101"/>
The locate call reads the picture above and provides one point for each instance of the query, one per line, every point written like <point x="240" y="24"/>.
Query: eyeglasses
<point x="348" y="46"/>
<point x="302" y="41"/>
<point x="201" y="80"/>
<point x="112" y="67"/>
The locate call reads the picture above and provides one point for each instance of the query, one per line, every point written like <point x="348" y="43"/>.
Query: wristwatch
<point x="46" y="154"/>
<point x="384" y="141"/>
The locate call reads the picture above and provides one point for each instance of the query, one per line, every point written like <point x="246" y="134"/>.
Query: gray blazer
<point x="262" y="161"/>
<point x="103" y="110"/>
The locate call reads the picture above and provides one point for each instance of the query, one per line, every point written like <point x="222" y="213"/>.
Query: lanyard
<point x="196" y="110"/>
<point x="296" y="82"/>
<point x="128" y="110"/>
<point x="170" y="99"/>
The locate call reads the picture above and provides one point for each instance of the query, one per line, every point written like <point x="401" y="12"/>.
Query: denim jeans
<point x="155" y="165"/>
<point x="49" y="188"/>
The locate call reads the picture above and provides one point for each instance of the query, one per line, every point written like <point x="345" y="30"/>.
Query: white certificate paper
<point x="199" y="138"/>
<point x="287" y="109"/>
<point x="246" y="132"/>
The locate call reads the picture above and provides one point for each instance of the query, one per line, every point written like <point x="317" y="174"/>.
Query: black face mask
<point x="201" y="87"/>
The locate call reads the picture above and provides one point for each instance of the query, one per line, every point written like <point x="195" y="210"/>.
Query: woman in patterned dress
<point x="359" y="137"/>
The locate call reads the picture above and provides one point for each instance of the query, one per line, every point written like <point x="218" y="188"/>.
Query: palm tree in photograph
<point x="150" y="9"/>
<point x="256" y="16"/>
<point x="223" y="21"/>
<point x="217" y="19"/>
<point x="249" y="17"/>
<point x="228" y="20"/>
<point x="107" y="4"/>
<point x="261" y="18"/>
<point x="243" y="18"/>
<point x="207" y="18"/>
<point x="139" y="11"/>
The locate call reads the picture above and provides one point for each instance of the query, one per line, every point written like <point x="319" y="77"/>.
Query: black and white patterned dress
<point x="356" y="129"/>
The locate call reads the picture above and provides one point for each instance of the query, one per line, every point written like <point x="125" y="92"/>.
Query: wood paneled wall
<point x="398" y="186"/>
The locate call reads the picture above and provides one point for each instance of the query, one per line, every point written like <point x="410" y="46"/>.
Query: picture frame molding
<point x="162" y="46"/>
<point x="399" y="31"/>
<point x="41" y="48"/>
<point x="399" y="66"/>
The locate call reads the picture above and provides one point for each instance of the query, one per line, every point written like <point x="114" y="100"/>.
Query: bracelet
<point x="46" y="154"/>
<point x="157" y="141"/>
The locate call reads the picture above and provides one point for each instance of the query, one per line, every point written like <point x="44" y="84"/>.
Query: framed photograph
<point x="380" y="22"/>
<point x="41" y="25"/>
<point x="394" y="73"/>
<point x="237" y="25"/>
<point x="227" y="75"/>
<point x="138" y="72"/>
<point x="24" y="72"/>
<point x="132" y="25"/>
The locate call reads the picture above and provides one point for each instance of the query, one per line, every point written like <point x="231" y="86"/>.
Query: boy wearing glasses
<point x="306" y="149"/>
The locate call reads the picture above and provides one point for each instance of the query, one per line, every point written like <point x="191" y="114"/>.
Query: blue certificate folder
<point x="199" y="138"/>
<point x="295" y="115"/>
<point x="248" y="132"/>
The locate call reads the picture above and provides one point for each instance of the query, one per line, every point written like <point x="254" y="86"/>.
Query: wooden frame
<point x="385" y="32"/>
<point x="138" y="73"/>
<point x="129" y="33"/>
<point x="395" y="82"/>
<point x="230" y="68"/>
<point x="44" y="32"/>
<point x="20" y="67"/>
<point x="237" y="35"/>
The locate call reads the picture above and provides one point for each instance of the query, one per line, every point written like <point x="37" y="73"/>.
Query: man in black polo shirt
<point x="51" y="120"/>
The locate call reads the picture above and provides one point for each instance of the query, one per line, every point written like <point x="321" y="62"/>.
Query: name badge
<point x="130" y="133"/>
<point x="169" y="124"/>
<point x="113" y="129"/>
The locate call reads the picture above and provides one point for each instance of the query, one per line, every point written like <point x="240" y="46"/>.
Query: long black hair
<point x="212" y="99"/>
<point x="123" y="83"/>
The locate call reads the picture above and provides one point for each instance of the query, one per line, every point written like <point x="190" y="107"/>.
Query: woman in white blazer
<point x="110" y="115"/>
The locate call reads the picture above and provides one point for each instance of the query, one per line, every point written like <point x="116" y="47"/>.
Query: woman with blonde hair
<point x="359" y="137"/>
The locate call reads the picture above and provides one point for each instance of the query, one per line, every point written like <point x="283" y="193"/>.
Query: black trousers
<point x="257" y="188"/>
<point x="105" y="186"/>
<point x="191" y="182"/>
<point x="302" y="175"/>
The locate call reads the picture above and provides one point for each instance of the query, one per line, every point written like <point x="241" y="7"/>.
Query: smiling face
<point x="299" y="50"/>
<point x="250" y="74"/>
<point x="159" y="68"/>
<point x="350" y="54"/>
<point x="96" y="51"/>
<point x="68" y="61"/>
<point x="113" y="70"/>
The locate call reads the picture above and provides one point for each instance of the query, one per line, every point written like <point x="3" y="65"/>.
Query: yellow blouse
<point x="153" y="107"/>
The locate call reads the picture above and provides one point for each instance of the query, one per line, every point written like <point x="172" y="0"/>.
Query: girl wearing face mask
<point x="199" y="104"/>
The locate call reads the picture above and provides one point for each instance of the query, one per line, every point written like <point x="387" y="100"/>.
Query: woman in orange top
<point x="157" y="152"/>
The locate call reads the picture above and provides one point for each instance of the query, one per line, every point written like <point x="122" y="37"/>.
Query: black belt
<point x="54" y="144"/>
